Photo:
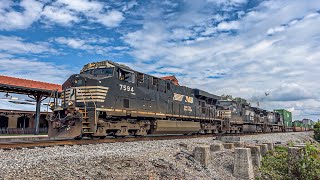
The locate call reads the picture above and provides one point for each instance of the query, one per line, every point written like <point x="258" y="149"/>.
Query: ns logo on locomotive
<point x="110" y="99"/>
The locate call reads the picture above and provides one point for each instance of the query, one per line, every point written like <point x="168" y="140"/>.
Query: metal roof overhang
<point x="24" y="90"/>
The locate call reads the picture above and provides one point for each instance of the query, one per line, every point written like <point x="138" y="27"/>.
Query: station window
<point x="4" y="121"/>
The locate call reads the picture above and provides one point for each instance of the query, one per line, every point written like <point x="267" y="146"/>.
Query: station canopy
<point x="25" y="86"/>
<point x="38" y="90"/>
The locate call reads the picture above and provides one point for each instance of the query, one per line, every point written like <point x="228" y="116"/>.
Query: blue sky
<point x="239" y="47"/>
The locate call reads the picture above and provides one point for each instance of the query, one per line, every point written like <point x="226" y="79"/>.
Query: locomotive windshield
<point x="100" y="71"/>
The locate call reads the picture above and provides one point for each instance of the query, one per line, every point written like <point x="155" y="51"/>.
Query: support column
<point x="38" y="98"/>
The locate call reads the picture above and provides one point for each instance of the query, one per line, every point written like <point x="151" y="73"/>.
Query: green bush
<point x="310" y="163"/>
<point x="275" y="164"/>
<point x="316" y="128"/>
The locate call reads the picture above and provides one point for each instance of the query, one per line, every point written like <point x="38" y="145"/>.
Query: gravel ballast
<point x="165" y="159"/>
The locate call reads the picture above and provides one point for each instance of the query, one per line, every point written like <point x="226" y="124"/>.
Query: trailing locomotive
<point x="108" y="98"/>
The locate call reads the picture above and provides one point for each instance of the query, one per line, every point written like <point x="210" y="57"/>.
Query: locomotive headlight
<point x="70" y="103"/>
<point x="51" y="104"/>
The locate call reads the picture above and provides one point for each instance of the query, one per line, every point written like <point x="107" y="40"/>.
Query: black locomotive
<point x="108" y="98"/>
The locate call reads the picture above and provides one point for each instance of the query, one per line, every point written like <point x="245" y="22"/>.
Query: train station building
<point x="20" y="120"/>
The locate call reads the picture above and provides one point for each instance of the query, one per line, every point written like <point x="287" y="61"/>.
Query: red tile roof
<point x="26" y="83"/>
<point x="173" y="79"/>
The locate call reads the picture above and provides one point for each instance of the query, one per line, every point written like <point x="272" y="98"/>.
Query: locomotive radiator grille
<point x="85" y="94"/>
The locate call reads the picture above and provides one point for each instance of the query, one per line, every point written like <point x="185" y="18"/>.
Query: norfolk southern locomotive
<point x="108" y="98"/>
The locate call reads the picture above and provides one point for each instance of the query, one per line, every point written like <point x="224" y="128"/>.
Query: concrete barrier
<point x="228" y="146"/>
<point x="216" y="147"/>
<point x="255" y="155"/>
<point x="202" y="155"/>
<point x="238" y="144"/>
<point x="294" y="154"/>
<point x="263" y="149"/>
<point x="243" y="168"/>
<point x="269" y="145"/>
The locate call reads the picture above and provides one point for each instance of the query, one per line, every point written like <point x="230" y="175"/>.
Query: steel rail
<point x="50" y="143"/>
<point x="70" y="142"/>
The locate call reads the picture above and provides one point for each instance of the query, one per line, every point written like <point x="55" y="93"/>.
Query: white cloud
<point x="228" y="2"/>
<point x="275" y="30"/>
<point x="16" y="45"/>
<point x="110" y="19"/>
<point x="11" y="19"/>
<point x="69" y="12"/>
<point x="60" y="15"/>
<point x="180" y="33"/>
<point x="82" y="5"/>
<point x="73" y="43"/>
<point x="63" y="12"/>
<point x="4" y="4"/>
<point x="92" y="45"/>
<point x="129" y="5"/>
<point x="226" y="26"/>
<point x="252" y="61"/>
<point x="35" y="70"/>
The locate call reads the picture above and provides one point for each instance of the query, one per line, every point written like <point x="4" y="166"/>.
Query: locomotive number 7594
<point x="126" y="88"/>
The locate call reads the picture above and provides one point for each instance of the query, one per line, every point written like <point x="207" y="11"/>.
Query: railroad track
<point x="71" y="142"/>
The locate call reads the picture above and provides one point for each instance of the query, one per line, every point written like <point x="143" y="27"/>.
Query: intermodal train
<point x="111" y="99"/>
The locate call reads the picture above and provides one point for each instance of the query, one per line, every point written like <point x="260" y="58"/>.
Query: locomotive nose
<point x="74" y="80"/>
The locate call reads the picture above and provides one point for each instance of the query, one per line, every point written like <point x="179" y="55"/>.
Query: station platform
<point x="8" y="138"/>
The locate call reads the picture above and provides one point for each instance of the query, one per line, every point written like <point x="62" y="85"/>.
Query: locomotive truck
<point x="111" y="99"/>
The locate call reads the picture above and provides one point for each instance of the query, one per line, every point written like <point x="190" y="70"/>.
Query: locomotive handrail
<point x="95" y="108"/>
<point x="84" y="101"/>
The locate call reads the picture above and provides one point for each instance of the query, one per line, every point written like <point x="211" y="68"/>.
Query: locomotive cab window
<point x="126" y="75"/>
<point x="100" y="71"/>
<point x="104" y="71"/>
